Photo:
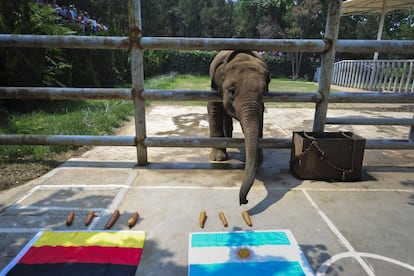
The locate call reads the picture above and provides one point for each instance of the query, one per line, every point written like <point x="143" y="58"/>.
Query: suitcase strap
<point x="314" y="144"/>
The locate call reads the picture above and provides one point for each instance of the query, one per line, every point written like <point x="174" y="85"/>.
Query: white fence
<point x="375" y="75"/>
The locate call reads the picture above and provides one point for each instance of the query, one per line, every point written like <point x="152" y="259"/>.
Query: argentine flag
<point x="246" y="253"/>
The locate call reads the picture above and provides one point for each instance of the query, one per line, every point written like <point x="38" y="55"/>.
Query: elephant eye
<point x="232" y="91"/>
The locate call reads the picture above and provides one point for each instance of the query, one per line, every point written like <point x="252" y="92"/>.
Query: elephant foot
<point x="218" y="155"/>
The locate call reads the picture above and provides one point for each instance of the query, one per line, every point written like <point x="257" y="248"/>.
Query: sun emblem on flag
<point x="243" y="253"/>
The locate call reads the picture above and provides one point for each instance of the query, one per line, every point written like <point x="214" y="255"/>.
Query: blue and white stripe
<point x="246" y="253"/>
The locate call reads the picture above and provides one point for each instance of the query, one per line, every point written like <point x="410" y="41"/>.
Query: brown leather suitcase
<point x="329" y="156"/>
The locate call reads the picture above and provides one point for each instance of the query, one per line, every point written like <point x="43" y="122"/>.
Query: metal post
<point x="137" y="71"/>
<point x="327" y="63"/>
<point x="381" y="27"/>
<point x="411" y="133"/>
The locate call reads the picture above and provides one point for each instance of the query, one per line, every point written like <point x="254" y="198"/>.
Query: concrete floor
<point x="343" y="228"/>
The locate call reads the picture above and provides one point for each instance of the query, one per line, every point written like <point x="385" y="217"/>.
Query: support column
<point x="327" y="63"/>
<point x="137" y="71"/>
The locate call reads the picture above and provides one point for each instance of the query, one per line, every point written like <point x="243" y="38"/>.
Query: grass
<point x="189" y="82"/>
<point x="286" y="85"/>
<point x="63" y="118"/>
<point x="99" y="117"/>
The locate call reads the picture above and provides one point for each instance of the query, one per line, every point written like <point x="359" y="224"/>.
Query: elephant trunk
<point x="249" y="115"/>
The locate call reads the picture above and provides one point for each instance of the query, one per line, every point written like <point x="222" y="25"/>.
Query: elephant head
<point x="242" y="78"/>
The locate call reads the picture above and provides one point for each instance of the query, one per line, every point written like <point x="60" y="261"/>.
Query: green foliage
<point x="252" y="16"/>
<point x="60" y="67"/>
<point x="165" y="82"/>
<point x="41" y="20"/>
<point x="181" y="62"/>
<point x="33" y="67"/>
<point x="207" y="18"/>
<point x="305" y="19"/>
<point x="217" y="17"/>
<point x="198" y="62"/>
<point x="97" y="117"/>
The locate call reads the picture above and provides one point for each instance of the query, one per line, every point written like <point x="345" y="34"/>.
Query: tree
<point x="189" y="16"/>
<point x="251" y="13"/>
<point x="398" y="25"/>
<point x="33" y="67"/>
<point x="217" y="18"/>
<point x="305" y="21"/>
<point x="159" y="18"/>
<point x="268" y="28"/>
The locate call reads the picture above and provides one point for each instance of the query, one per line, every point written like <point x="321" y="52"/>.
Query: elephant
<point x="241" y="79"/>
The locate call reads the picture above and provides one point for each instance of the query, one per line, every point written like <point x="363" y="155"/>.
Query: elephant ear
<point x="268" y="77"/>
<point x="218" y="79"/>
<point x="266" y="72"/>
<point x="217" y="75"/>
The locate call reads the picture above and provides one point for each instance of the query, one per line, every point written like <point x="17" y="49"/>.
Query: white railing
<point x="375" y="75"/>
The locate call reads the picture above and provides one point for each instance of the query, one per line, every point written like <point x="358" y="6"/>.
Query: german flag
<point x="81" y="253"/>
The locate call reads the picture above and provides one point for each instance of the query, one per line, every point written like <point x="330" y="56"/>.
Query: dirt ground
<point x="17" y="172"/>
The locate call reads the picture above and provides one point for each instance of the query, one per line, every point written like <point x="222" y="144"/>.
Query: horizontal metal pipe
<point x="202" y="142"/>
<point x="179" y="95"/>
<point x="188" y="95"/>
<point x="90" y="140"/>
<point x="370" y="46"/>
<point x="191" y="142"/>
<point x="64" y="41"/>
<point x="71" y="140"/>
<point x="389" y="144"/>
<point x="185" y="43"/>
<point x="60" y="93"/>
<point x="52" y="93"/>
<point x="312" y="97"/>
<point x="370" y="121"/>
<point x="370" y="97"/>
<point x="162" y="43"/>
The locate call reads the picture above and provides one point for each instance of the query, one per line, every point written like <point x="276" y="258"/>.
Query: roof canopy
<point x="375" y="6"/>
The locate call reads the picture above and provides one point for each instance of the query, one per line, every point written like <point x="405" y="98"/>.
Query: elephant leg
<point x="215" y="117"/>
<point x="227" y="125"/>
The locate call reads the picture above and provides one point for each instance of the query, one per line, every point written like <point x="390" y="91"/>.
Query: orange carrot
<point x="203" y="217"/>
<point x="223" y="219"/>
<point x="112" y="220"/>
<point x="246" y="218"/>
<point x="70" y="218"/>
<point x="89" y="218"/>
<point x="133" y="220"/>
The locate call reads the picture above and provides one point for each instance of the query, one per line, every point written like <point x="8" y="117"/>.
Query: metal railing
<point x="377" y="75"/>
<point x="137" y="44"/>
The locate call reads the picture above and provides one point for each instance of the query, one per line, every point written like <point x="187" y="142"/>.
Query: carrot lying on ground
<point x="133" y="220"/>
<point x="89" y="218"/>
<point x="223" y="219"/>
<point x="112" y="220"/>
<point x="70" y="218"/>
<point x="246" y="218"/>
<point x="203" y="217"/>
